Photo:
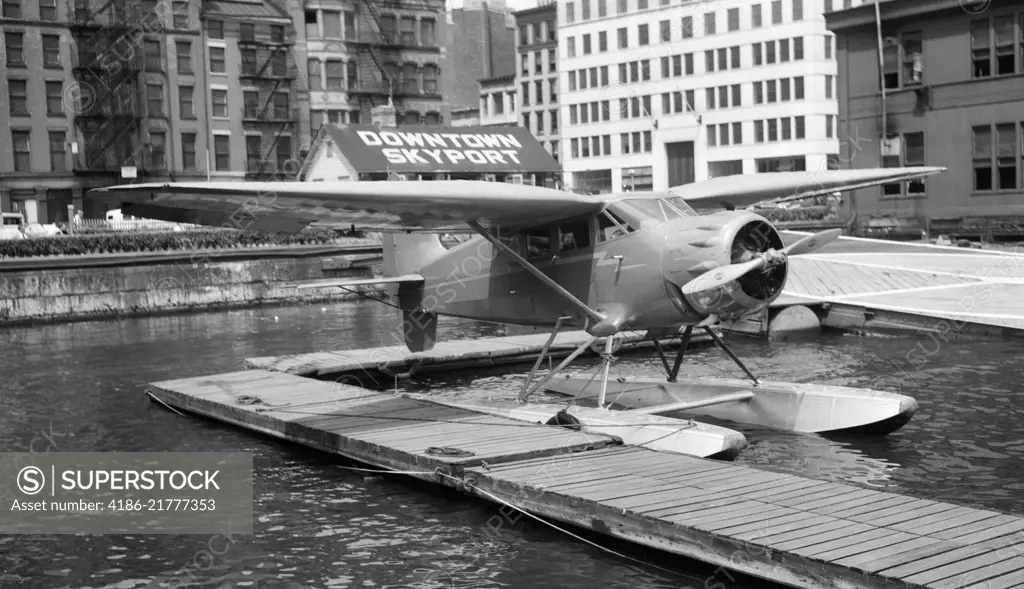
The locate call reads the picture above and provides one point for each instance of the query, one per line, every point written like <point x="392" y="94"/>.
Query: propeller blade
<point x="812" y="242"/>
<point x="721" y="276"/>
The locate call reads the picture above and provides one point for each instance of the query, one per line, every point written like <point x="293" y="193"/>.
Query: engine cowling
<point x="695" y="246"/>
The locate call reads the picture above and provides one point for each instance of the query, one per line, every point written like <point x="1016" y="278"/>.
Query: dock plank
<point x="815" y="534"/>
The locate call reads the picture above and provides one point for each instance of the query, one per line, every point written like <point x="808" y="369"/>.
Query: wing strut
<point x="602" y="323"/>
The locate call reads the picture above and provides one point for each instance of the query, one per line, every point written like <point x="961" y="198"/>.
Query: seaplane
<point x="605" y="264"/>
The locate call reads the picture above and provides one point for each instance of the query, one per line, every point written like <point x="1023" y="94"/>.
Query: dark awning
<point x="428" y="149"/>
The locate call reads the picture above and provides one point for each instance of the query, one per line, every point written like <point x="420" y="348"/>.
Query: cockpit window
<point x="678" y="205"/>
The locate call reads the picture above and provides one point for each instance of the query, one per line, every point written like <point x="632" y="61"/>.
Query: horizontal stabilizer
<point x="743" y="190"/>
<point x="343" y="282"/>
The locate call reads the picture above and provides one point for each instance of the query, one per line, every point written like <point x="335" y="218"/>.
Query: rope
<point x="366" y="296"/>
<point x="563" y="530"/>
<point x="158" y="400"/>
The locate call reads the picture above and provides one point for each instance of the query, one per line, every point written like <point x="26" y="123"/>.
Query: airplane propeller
<point x="725" y="274"/>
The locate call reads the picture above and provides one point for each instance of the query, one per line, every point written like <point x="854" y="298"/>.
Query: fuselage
<point x="628" y="261"/>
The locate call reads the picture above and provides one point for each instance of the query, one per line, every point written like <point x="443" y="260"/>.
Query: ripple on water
<point x="318" y="525"/>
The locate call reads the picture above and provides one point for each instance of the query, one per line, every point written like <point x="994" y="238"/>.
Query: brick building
<point x="953" y="85"/>
<point x="537" y="73"/>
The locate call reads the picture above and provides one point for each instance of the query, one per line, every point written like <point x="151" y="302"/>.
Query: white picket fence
<point x="135" y="225"/>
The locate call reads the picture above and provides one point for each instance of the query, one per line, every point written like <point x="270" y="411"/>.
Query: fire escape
<point x="379" y="46"/>
<point x="107" y="115"/>
<point x="268" y="64"/>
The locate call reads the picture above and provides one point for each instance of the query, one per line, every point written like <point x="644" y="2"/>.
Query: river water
<point x="79" y="387"/>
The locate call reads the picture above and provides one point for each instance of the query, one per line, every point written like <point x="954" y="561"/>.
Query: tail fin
<point x="408" y="253"/>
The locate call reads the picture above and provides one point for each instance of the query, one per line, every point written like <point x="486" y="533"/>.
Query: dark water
<point x="319" y="525"/>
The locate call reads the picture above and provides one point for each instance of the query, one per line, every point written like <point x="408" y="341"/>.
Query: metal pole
<point x="540" y="358"/>
<point x="607" y="361"/>
<point x="881" y="70"/>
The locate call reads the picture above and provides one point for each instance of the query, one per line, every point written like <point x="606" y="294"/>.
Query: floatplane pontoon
<point x="605" y="264"/>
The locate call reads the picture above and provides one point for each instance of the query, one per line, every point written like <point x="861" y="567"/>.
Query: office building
<point x="953" y="87"/>
<point x="479" y="44"/>
<point x="657" y="94"/>
<point x="537" y="73"/>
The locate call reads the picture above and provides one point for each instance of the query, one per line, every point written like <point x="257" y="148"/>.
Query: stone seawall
<point x="201" y="283"/>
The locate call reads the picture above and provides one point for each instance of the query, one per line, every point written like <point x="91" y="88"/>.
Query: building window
<point x="410" y="79"/>
<point x="777" y="12"/>
<point x="687" y="27"/>
<point x="17" y="93"/>
<point x="47" y="9"/>
<point x="155" y="100"/>
<point x="429" y="79"/>
<point x="800" y="125"/>
<point x="335" y="75"/>
<point x="798" y="10"/>
<point x="709" y="23"/>
<point x="828" y="86"/>
<point x="787" y="128"/>
<point x="733" y="18"/>
<point x="737" y="133"/>
<point x="755" y="16"/>
<point x="758" y="92"/>
<point x="432" y="118"/>
<point x="781" y="164"/>
<point x="184" y="52"/>
<point x="217" y="60"/>
<point x="222" y="152"/>
<point x="758" y="131"/>
<point x="407" y="31"/>
<point x="215" y="29"/>
<point x="15" y="48"/>
<point x="427" y="27"/>
<point x="712" y="135"/>
<point x="709" y="98"/>
<point x="281" y="106"/>
<point x="351" y="75"/>
<point x="51" y="51"/>
<point x="188" y="152"/>
<point x="783" y="50"/>
<point x="153" y="56"/>
<point x="11" y="8"/>
<point x="186" y="102"/>
<point x="913" y="58"/>
<point x="623" y="36"/>
<point x="313" y="74"/>
<point x="773" y="129"/>
<point x="734" y="57"/>
<point x="58" y="152"/>
<point x="570" y="48"/>
<point x="55" y="99"/>
<point x="709" y="61"/>
<point x="798" y="88"/>
<point x="22" y="152"/>
<point x="736" y="96"/>
<point x="253" y="153"/>
<point x="828" y="47"/>
<point x="157" y="150"/>
<point x="638" y="179"/>
<point x="277" y="33"/>
<point x="622" y="6"/>
<point x="284" y="151"/>
<point x="644" y="35"/>
<point x="180" y="15"/>
<point x="220" y="103"/>
<point x="758" y="56"/>
<point x="570" y="12"/>
<point x="798" y="48"/>
<point x="769" y="52"/>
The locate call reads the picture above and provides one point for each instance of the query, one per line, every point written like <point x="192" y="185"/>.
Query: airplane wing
<point x="743" y="190"/>
<point x="288" y="207"/>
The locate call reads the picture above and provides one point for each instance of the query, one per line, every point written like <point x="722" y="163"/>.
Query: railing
<point x="126" y="225"/>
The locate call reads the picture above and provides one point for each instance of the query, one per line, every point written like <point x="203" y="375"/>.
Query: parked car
<point x="10" y="227"/>
<point x="40" y="230"/>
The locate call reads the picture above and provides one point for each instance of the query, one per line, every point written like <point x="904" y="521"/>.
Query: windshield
<point x="639" y="212"/>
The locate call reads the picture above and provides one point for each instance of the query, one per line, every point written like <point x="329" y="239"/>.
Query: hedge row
<point x="69" y="245"/>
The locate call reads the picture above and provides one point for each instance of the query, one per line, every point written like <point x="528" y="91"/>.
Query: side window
<point x="538" y="243"/>
<point x="574" y="235"/>
<point x="610" y="226"/>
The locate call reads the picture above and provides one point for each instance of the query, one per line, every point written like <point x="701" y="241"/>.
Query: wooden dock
<point x="866" y="284"/>
<point x="778" y="527"/>
<point x="447" y="355"/>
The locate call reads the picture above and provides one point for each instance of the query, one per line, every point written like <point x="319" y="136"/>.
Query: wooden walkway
<point x="449" y="355"/>
<point x="774" y="526"/>
<point x="919" y="286"/>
